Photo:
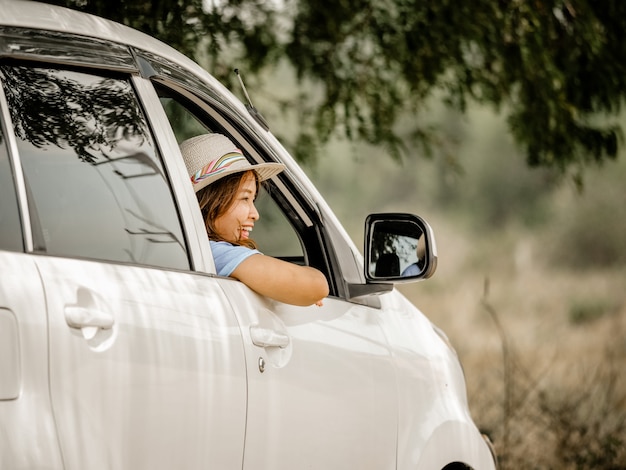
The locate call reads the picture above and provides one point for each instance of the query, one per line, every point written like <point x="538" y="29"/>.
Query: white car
<point x="120" y="348"/>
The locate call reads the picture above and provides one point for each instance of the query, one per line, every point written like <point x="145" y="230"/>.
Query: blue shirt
<point x="228" y="256"/>
<point x="412" y="270"/>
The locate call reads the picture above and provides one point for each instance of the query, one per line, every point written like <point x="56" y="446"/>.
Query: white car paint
<point x="115" y="366"/>
<point x="151" y="391"/>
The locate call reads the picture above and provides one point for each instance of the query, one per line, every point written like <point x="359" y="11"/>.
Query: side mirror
<point x="398" y="248"/>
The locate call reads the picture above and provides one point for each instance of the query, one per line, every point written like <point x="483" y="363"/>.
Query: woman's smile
<point x="238" y="221"/>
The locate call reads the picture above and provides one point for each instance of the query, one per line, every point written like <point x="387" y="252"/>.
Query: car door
<point x="146" y="362"/>
<point x="321" y="387"/>
<point x="321" y="382"/>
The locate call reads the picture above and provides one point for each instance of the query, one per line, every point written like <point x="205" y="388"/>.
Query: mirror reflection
<point x="398" y="249"/>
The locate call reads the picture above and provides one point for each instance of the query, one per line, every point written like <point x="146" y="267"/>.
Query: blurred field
<point x="543" y="350"/>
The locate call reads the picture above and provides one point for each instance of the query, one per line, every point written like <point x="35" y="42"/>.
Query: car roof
<point x="42" y="16"/>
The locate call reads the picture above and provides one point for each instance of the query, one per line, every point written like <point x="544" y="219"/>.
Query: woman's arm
<point x="282" y="281"/>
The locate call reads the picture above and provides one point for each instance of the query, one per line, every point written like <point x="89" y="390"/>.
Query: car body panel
<point x="328" y="397"/>
<point x="127" y="366"/>
<point x="163" y="387"/>
<point x="28" y="437"/>
<point x="431" y="393"/>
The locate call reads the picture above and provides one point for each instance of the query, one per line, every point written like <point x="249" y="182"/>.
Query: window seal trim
<point x="18" y="171"/>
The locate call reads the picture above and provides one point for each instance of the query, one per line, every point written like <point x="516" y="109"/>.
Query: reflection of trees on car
<point x="83" y="137"/>
<point x="47" y="108"/>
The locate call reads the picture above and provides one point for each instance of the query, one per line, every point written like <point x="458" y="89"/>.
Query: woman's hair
<point x="216" y="199"/>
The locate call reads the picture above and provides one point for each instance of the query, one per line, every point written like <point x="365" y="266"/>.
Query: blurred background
<point x="530" y="286"/>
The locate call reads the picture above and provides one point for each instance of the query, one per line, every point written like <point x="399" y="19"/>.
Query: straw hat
<point x="209" y="157"/>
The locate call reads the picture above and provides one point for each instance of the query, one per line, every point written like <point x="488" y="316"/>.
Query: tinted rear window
<point x="96" y="182"/>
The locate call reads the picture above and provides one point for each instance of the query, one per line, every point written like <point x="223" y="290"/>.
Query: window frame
<point x="293" y="200"/>
<point x="18" y="172"/>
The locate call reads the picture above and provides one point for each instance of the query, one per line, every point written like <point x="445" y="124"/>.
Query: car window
<point x="274" y="233"/>
<point x="10" y="226"/>
<point x="96" y="183"/>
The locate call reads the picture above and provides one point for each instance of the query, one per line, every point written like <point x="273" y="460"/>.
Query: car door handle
<point x="88" y="320"/>
<point x="265" y="337"/>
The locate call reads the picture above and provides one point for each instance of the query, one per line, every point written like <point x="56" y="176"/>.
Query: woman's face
<point x="238" y="220"/>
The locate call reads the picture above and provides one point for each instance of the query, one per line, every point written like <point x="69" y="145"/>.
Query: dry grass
<point x="543" y="350"/>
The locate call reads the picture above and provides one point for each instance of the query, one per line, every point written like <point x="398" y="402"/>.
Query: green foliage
<point x="548" y="60"/>
<point x="588" y="310"/>
<point x="555" y="64"/>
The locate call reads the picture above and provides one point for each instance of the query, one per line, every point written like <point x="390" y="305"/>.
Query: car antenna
<point x="250" y="107"/>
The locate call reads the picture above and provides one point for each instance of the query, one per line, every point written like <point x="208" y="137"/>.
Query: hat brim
<point x="264" y="172"/>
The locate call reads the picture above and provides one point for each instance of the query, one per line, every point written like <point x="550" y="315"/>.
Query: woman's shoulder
<point x="228" y="256"/>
